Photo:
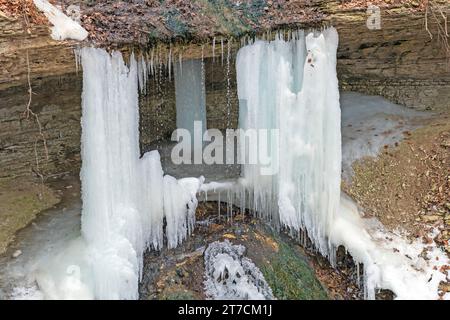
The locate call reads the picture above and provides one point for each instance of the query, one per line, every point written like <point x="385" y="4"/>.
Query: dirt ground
<point x="20" y="201"/>
<point x="408" y="185"/>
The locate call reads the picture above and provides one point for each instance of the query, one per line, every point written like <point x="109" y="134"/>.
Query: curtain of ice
<point x="125" y="198"/>
<point x="291" y="85"/>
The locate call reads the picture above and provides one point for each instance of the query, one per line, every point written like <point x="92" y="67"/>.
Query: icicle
<point x="180" y="203"/>
<point x="218" y="203"/>
<point x="304" y="194"/>
<point x="228" y="94"/>
<point x="152" y="67"/>
<point x="203" y="52"/>
<point x="221" y="50"/>
<point x="214" y="49"/>
<point x="77" y="54"/>
<point x="170" y="63"/>
<point x="180" y="61"/>
<point x="142" y="74"/>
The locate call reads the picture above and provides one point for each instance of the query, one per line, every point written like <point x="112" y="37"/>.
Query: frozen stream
<point x="368" y="123"/>
<point x="50" y="232"/>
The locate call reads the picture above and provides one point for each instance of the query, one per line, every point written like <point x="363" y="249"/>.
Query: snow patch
<point x="63" y="27"/>
<point x="411" y="269"/>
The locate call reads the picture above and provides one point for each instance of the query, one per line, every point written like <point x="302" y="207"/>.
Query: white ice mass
<point x="292" y="86"/>
<point x="126" y="198"/>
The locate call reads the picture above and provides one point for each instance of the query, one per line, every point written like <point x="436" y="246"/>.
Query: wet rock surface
<point x="180" y="273"/>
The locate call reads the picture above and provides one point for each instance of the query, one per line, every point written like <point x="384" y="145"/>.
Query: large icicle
<point x="125" y="198"/>
<point x="292" y="86"/>
<point x="115" y="209"/>
<point x="190" y="95"/>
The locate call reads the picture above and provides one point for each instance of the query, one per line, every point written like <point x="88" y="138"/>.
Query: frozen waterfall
<point x="291" y="85"/>
<point x="129" y="206"/>
<point x="288" y="85"/>
<point x="125" y="198"/>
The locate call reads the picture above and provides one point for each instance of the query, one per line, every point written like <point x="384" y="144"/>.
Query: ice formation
<point x="190" y="95"/>
<point x="63" y="27"/>
<point x="411" y="269"/>
<point x="125" y="198"/>
<point x="129" y="205"/>
<point x="292" y="86"/>
<point x="231" y="276"/>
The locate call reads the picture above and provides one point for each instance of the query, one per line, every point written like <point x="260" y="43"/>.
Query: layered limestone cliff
<point x="399" y="61"/>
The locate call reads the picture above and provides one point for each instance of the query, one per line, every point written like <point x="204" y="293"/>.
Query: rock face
<point x="27" y="49"/>
<point x="399" y="62"/>
<point x="56" y="101"/>
<point x="46" y="57"/>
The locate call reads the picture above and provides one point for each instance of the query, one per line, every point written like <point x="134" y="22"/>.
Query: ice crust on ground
<point x="232" y="276"/>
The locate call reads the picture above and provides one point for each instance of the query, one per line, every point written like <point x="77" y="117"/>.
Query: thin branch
<point x="29" y="112"/>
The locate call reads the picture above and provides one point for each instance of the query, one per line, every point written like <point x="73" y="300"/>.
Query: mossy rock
<point x="290" y="276"/>
<point x="178" y="295"/>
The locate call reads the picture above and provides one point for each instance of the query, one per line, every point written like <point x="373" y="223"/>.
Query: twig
<point x="29" y="112"/>
<point x="440" y="18"/>
<point x="426" y="22"/>
<point x="25" y="16"/>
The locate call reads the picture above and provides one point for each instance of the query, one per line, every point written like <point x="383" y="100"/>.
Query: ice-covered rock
<point x="231" y="275"/>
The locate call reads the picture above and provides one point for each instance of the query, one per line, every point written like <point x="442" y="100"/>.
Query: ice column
<point x="125" y="198"/>
<point x="291" y="85"/>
